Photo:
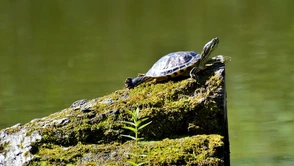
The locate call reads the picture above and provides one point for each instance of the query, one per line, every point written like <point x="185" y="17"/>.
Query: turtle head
<point x="208" y="48"/>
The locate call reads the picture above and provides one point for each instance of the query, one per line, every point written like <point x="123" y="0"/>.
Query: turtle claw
<point x="196" y="78"/>
<point x="219" y="59"/>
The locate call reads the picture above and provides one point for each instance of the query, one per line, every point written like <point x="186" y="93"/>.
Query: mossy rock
<point x="180" y="110"/>
<point x="200" y="149"/>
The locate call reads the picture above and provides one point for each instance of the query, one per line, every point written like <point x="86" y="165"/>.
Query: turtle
<point x="175" y="64"/>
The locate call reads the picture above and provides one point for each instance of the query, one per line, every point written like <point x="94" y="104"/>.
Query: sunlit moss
<point x="177" y="109"/>
<point x="201" y="150"/>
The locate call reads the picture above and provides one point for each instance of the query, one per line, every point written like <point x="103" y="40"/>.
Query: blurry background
<point x="55" y="52"/>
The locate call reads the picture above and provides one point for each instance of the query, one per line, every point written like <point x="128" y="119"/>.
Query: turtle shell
<point x="173" y="63"/>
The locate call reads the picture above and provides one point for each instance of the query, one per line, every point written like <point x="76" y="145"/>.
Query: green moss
<point x="201" y="150"/>
<point x="189" y="150"/>
<point x="176" y="108"/>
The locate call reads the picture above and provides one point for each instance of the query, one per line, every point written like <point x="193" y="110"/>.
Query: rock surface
<point x="187" y="127"/>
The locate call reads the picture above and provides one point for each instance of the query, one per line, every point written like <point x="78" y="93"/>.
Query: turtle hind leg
<point x="133" y="82"/>
<point x="129" y="83"/>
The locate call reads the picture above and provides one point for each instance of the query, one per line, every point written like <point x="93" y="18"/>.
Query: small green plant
<point x="135" y="126"/>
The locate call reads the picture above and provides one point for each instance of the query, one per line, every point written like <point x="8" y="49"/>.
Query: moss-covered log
<point x="89" y="132"/>
<point x="201" y="149"/>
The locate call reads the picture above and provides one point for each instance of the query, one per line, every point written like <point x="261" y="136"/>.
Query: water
<point x="53" y="53"/>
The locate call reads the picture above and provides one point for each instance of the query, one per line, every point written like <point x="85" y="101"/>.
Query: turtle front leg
<point x="192" y="73"/>
<point x="217" y="59"/>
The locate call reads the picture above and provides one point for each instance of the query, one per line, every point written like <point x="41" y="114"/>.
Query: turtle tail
<point x="133" y="82"/>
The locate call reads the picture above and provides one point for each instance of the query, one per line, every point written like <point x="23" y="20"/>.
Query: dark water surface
<point x="55" y="52"/>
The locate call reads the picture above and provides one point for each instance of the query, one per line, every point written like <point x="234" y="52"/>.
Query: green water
<point x="55" y="52"/>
